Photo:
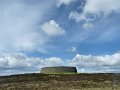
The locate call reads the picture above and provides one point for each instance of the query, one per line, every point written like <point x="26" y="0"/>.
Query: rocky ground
<point x="101" y="81"/>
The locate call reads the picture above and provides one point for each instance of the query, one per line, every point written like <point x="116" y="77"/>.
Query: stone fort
<point x="58" y="69"/>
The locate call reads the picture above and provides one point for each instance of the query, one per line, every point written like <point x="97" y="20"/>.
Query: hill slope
<point x="60" y="82"/>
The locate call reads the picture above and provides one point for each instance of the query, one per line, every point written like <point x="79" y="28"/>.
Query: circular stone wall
<point x="60" y="69"/>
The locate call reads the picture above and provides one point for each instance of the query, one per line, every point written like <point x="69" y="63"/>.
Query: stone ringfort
<point x="58" y="69"/>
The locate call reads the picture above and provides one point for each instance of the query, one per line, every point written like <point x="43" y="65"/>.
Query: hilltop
<point x="37" y="81"/>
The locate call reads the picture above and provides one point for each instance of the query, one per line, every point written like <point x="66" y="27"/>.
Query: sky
<point x="42" y="33"/>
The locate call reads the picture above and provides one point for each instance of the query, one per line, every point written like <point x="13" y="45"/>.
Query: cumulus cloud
<point x="16" y="63"/>
<point x="102" y="7"/>
<point x="51" y="28"/>
<point x="90" y="63"/>
<point x="96" y="9"/>
<point x="66" y="2"/>
<point x="19" y="62"/>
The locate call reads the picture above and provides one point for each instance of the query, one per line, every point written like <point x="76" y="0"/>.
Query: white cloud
<point x="90" y="63"/>
<point x="51" y="28"/>
<point x="18" y="25"/>
<point x="96" y="9"/>
<point x="72" y="49"/>
<point x="66" y="2"/>
<point x="16" y="63"/>
<point x="77" y="16"/>
<point x="87" y="25"/>
<point x="102" y="7"/>
<point x="20" y="63"/>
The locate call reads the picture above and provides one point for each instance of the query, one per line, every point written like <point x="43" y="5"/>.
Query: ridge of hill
<point x="37" y="81"/>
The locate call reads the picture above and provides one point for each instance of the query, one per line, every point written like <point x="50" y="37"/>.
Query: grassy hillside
<point x="61" y="82"/>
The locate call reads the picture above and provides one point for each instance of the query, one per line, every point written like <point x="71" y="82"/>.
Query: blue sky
<point x="38" y="33"/>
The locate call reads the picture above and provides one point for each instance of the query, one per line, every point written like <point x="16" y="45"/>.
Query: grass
<point x="61" y="81"/>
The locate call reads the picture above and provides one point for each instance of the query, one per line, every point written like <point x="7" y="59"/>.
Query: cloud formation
<point x="90" y="63"/>
<point x="19" y="62"/>
<point x="94" y="9"/>
<point x="87" y="25"/>
<point x="66" y="2"/>
<point x="51" y="28"/>
<point x="19" y="25"/>
<point x="24" y="27"/>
